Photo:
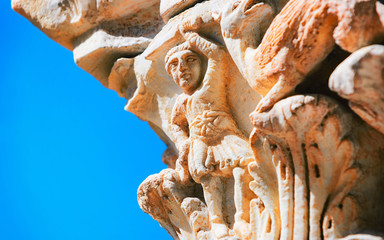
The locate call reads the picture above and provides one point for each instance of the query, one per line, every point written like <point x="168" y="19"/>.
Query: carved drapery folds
<point x="306" y="164"/>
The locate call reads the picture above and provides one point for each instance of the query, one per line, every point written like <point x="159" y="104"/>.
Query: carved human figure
<point x="298" y="39"/>
<point x="202" y="124"/>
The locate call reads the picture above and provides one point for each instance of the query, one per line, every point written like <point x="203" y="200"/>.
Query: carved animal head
<point x="242" y="17"/>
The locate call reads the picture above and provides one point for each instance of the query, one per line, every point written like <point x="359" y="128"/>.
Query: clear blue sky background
<point x="71" y="158"/>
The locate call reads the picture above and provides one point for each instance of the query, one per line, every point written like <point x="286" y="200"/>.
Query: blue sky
<point x="71" y="158"/>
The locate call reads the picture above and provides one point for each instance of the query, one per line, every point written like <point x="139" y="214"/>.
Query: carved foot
<point x="220" y="230"/>
<point x="242" y="229"/>
<point x="264" y="105"/>
<point x="283" y="88"/>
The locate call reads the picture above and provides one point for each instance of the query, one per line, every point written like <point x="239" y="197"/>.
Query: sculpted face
<point x="185" y="68"/>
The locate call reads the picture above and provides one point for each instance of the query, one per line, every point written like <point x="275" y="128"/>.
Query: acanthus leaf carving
<point x="309" y="149"/>
<point x="310" y="169"/>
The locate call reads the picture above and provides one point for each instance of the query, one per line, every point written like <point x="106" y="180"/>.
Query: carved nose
<point x="182" y="66"/>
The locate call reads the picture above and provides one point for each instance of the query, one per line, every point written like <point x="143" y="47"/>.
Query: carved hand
<point x="195" y="23"/>
<point x="206" y="47"/>
<point x="190" y="24"/>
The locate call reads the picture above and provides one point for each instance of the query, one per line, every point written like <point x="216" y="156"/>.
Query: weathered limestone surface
<point x="272" y="110"/>
<point x="97" y="31"/>
<point x="360" y="80"/>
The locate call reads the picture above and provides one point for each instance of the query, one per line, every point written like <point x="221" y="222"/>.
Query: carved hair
<point x="178" y="48"/>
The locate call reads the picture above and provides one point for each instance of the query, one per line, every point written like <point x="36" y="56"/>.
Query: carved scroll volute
<point x="311" y="164"/>
<point x="360" y="80"/>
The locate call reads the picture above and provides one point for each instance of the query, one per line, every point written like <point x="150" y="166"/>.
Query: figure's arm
<point x="188" y="29"/>
<point x="208" y="48"/>
<point x="180" y="135"/>
<point x="179" y="125"/>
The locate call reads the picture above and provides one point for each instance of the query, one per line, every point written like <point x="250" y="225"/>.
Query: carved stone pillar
<point x="272" y="110"/>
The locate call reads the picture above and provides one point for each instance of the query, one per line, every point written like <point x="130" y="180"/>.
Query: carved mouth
<point x="250" y="4"/>
<point x="186" y="75"/>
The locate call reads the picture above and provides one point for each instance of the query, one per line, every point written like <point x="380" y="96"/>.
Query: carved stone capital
<point x="314" y="174"/>
<point x="258" y="147"/>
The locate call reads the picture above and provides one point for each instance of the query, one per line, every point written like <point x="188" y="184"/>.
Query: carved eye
<point x="173" y="64"/>
<point x="191" y="59"/>
<point x="235" y="5"/>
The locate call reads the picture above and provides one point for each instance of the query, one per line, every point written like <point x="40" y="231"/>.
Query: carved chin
<point x="185" y="85"/>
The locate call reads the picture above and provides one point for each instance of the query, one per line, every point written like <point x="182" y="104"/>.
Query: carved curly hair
<point x="178" y="48"/>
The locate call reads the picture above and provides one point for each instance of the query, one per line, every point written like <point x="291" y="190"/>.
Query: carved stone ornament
<point x="272" y="111"/>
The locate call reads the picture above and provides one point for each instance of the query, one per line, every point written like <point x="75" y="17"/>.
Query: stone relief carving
<point x="308" y="162"/>
<point x="318" y="169"/>
<point x="299" y="38"/>
<point x="359" y="79"/>
<point x="218" y="151"/>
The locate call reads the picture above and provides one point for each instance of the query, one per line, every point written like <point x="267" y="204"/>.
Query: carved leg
<point x="213" y="193"/>
<point x="197" y="214"/>
<point x="243" y="196"/>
